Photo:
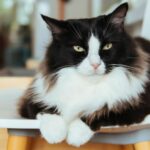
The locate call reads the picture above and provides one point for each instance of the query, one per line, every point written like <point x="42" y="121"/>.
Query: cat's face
<point x="91" y="46"/>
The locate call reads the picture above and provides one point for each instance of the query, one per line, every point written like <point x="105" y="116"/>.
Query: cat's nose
<point x="95" y="65"/>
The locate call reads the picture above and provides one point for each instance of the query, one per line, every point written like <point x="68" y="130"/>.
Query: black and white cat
<point x="94" y="74"/>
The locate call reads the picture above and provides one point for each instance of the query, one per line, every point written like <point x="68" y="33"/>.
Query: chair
<point x="21" y="130"/>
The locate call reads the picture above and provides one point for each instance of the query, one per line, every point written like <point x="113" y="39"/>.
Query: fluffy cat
<point x="94" y="74"/>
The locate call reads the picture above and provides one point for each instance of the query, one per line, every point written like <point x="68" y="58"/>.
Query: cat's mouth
<point x="90" y="71"/>
<point x="98" y="72"/>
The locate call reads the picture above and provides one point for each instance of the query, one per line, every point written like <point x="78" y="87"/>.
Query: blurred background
<point x="24" y="36"/>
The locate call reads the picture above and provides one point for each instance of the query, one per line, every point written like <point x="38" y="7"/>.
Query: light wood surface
<point x="32" y="64"/>
<point x="19" y="143"/>
<point x="14" y="82"/>
<point x="40" y="144"/>
<point x="3" y="139"/>
<point x="128" y="147"/>
<point x="142" y="146"/>
<point x="61" y="9"/>
<point x="9" y="142"/>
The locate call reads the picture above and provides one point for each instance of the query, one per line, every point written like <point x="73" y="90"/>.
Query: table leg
<point x="128" y="147"/>
<point x="19" y="142"/>
<point x="142" y="146"/>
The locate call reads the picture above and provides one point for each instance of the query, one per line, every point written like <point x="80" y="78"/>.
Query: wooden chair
<point x="21" y="131"/>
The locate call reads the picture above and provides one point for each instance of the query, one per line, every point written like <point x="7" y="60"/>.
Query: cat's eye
<point x="108" y="46"/>
<point x="78" y="48"/>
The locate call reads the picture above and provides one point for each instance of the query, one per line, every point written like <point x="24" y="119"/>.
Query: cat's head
<point x="91" y="46"/>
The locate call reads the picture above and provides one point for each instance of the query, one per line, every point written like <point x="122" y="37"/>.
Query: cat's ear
<point x="118" y="15"/>
<point x="56" y="26"/>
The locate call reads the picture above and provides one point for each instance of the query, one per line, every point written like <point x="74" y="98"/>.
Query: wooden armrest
<point x="122" y="129"/>
<point x="14" y="82"/>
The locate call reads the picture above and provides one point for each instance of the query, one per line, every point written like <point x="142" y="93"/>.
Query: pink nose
<point x="95" y="66"/>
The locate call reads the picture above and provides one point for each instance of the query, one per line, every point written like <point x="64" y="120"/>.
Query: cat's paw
<point x="146" y="120"/>
<point x="52" y="127"/>
<point x="79" y="133"/>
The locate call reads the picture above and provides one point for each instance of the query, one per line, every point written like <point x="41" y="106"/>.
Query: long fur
<point x="115" y="93"/>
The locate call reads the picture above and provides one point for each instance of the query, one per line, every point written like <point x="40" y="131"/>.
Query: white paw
<point x="79" y="133"/>
<point x="146" y="120"/>
<point x="53" y="128"/>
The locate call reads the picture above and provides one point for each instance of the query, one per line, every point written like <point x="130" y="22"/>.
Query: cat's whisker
<point x="75" y="31"/>
<point x="120" y="65"/>
<point x="125" y="66"/>
<point x="132" y="57"/>
<point x="59" y="68"/>
<point x="104" y="32"/>
<point x="111" y="33"/>
<point x="107" y="27"/>
<point x="109" y="30"/>
<point x="78" y="31"/>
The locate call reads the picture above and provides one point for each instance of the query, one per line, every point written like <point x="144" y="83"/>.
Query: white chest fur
<point x="74" y="94"/>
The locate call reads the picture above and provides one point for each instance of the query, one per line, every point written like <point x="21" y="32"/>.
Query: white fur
<point x="75" y="94"/>
<point x="53" y="128"/>
<point x="79" y="133"/>
<point x="85" y="67"/>
<point x="94" y="46"/>
<point x="81" y="91"/>
<point x="146" y="120"/>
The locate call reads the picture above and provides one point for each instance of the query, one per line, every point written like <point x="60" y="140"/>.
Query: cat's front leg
<point x="52" y="127"/>
<point x="79" y="133"/>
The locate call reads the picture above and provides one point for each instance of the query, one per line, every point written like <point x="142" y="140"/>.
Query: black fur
<point x="30" y="110"/>
<point x="60" y="54"/>
<point x="128" y="116"/>
<point x="66" y="34"/>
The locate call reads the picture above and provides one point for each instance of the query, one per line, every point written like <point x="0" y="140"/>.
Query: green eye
<point x="78" y="48"/>
<point x="107" y="46"/>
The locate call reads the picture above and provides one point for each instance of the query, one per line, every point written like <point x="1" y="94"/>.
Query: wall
<point x="41" y="35"/>
<point x="78" y="9"/>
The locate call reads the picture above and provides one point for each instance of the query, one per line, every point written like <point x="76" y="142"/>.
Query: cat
<point x="94" y="74"/>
